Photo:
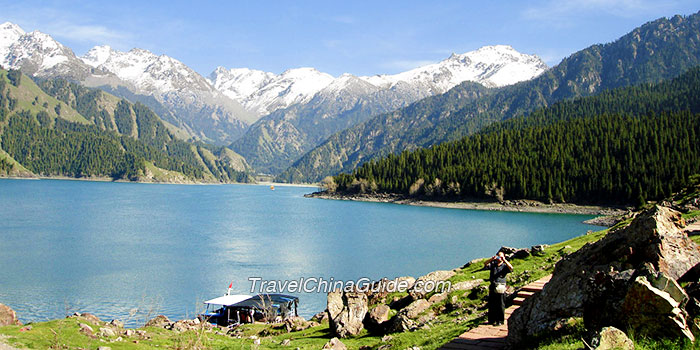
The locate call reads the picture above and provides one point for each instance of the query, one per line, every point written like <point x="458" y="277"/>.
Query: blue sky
<point x="358" y="37"/>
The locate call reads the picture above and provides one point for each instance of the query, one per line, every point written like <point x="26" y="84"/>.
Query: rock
<point x="436" y="298"/>
<point x="521" y="253"/>
<point x="320" y="317"/>
<point x="662" y="282"/>
<point x="401" y="303"/>
<point x="404" y="283"/>
<point x="507" y="251"/>
<point x="129" y="332"/>
<point x="296" y="324"/>
<point x="401" y="323"/>
<point x="538" y="250"/>
<point x="346" y="311"/>
<point x="180" y="326"/>
<point x="611" y="338"/>
<point x="415" y="308"/>
<point x="335" y="344"/>
<point x="8" y="317"/>
<point x="466" y="285"/>
<point x="653" y="312"/>
<point x="91" y="318"/>
<point x="603" y="271"/>
<point x="429" y="283"/>
<point x="117" y="323"/>
<point x="26" y="328"/>
<point x="159" y="321"/>
<point x="376" y="319"/>
<point x="104" y="348"/>
<point x="387" y="338"/>
<point x="87" y="330"/>
<point x="286" y="342"/>
<point x="107" y="332"/>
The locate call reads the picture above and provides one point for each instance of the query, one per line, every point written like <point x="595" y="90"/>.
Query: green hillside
<point x="623" y="146"/>
<point x="58" y="128"/>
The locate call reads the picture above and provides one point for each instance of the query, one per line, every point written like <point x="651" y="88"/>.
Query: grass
<point x="30" y="97"/>
<point x="164" y="175"/>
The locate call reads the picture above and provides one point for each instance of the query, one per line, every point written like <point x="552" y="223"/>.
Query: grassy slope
<point x="17" y="169"/>
<point x="28" y="91"/>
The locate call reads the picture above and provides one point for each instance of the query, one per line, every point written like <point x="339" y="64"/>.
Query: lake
<point x="132" y="251"/>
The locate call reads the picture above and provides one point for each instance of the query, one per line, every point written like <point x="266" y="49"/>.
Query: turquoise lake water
<point x="131" y="251"/>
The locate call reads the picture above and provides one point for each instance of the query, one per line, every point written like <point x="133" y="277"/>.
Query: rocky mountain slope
<point x="655" y="51"/>
<point x="60" y="128"/>
<point x="318" y="110"/>
<point x="182" y="96"/>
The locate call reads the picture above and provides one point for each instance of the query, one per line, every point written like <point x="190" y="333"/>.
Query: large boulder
<point x="8" y="317"/>
<point x="607" y="268"/>
<point x="346" y="311"/>
<point x="429" y="283"/>
<point x="415" y="308"/>
<point x="376" y="319"/>
<point x="651" y="311"/>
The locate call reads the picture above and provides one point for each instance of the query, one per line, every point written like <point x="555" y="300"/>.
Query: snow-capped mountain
<point x="263" y="93"/>
<point x="279" y="138"/>
<point x="178" y="93"/>
<point x="37" y="54"/>
<point x="299" y="107"/>
<point x="177" y="86"/>
<point x="491" y="66"/>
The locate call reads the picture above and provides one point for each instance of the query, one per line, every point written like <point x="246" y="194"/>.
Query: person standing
<point x="499" y="267"/>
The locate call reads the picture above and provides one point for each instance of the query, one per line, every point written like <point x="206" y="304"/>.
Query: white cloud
<point x="85" y="33"/>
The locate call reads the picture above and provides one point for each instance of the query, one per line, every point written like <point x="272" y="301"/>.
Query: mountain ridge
<point x="657" y="50"/>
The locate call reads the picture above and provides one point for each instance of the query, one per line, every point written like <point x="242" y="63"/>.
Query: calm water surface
<point x="129" y="251"/>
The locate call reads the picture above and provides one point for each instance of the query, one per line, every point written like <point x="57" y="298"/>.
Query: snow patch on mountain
<point x="491" y="66"/>
<point x="263" y="92"/>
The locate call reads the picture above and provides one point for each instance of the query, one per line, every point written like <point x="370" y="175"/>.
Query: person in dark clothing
<point x="499" y="267"/>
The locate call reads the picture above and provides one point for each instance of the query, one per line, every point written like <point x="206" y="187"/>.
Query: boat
<point x="236" y="309"/>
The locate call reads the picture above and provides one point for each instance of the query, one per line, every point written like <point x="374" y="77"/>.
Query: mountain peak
<point x="9" y="34"/>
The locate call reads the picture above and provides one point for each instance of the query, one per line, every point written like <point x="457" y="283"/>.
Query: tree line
<point x="625" y="145"/>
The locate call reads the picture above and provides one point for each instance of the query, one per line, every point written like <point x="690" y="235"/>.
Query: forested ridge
<point x="117" y="140"/>
<point x="658" y="50"/>
<point x="623" y="146"/>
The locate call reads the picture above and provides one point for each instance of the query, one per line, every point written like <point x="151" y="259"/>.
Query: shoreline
<point x="604" y="213"/>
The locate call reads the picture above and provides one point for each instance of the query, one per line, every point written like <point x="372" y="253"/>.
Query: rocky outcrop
<point x="8" y="317"/>
<point x="596" y="279"/>
<point x="346" y="311"/>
